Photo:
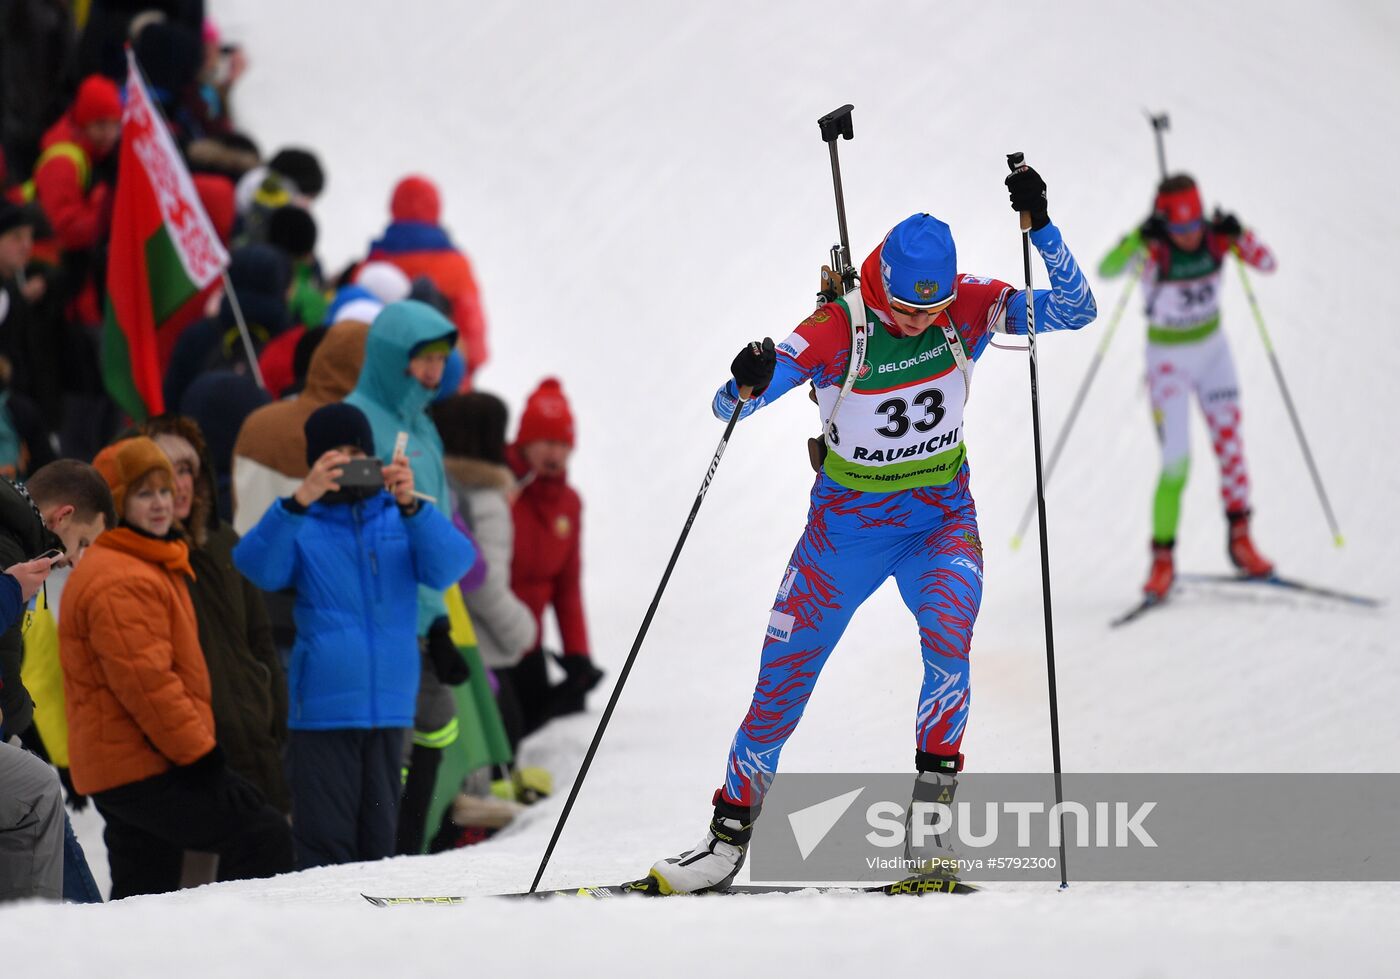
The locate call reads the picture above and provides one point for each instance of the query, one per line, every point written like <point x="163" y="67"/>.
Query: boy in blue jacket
<point x="356" y="557"/>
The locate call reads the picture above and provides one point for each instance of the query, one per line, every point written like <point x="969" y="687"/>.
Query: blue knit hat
<point x="919" y="262"/>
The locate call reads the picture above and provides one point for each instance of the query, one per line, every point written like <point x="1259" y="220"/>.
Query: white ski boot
<point x="931" y="854"/>
<point x="713" y="863"/>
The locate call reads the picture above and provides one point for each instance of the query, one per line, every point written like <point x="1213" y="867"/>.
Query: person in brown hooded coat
<point x="269" y="456"/>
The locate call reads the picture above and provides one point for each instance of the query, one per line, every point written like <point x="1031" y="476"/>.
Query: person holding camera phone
<point x="356" y="542"/>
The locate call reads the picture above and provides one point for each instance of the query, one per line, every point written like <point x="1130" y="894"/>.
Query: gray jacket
<point x="505" y="627"/>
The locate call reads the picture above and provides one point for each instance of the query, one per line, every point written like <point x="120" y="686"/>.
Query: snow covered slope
<point x="643" y="188"/>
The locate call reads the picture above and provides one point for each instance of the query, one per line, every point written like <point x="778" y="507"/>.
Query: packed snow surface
<point x="642" y="188"/>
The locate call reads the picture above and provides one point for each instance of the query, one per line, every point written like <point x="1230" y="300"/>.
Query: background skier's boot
<point x="1243" y="554"/>
<point x="1163" y="572"/>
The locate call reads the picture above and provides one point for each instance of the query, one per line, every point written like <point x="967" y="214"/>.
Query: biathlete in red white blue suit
<point x="891" y="500"/>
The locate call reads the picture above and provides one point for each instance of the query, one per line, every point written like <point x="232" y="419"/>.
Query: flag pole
<point x="243" y="329"/>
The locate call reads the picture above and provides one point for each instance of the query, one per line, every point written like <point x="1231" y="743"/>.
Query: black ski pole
<point x="1160" y="125"/>
<point x="1079" y="400"/>
<point x="744" y="394"/>
<point x="1017" y="161"/>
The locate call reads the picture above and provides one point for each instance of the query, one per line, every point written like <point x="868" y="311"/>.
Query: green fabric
<point x="308" y="304"/>
<point x="892" y="362"/>
<point x="1117" y="260"/>
<point x="1166" y="502"/>
<point x="438" y="739"/>
<point x="1162" y="334"/>
<point x="936" y="470"/>
<point x="481" y="740"/>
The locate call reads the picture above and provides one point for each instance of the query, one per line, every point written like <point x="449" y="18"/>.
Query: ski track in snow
<point x="609" y="165"/>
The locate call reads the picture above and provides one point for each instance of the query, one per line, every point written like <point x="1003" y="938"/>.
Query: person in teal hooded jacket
<point x="406" y="354"/>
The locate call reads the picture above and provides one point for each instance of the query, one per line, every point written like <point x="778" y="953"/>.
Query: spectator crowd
<point x="298" y="618"/>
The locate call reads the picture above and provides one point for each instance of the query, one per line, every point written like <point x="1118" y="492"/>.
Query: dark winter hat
<point x="98" y="98"/>
<point x="473" y="425"/>
<point x="170" y="56"/>
<point x="919" y="262"/>
<point x="260" y="275"/>
<point x="300" y="167"/>
<point x="415" y="199"/>
<point x="333" y="425"/>
<point x="425" y="290"/>
<point x="14" y="216"/>
<point x="260" y="269"/>
<point x="547" y="416"/>
<point x="306" y="346"/>
<point x="293" y="230"/>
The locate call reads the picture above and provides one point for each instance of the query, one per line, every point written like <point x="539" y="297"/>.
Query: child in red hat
<point x="547" y="568"/>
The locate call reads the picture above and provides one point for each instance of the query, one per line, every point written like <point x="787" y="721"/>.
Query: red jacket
<point x="79" y="212"/>
<point x="547" y="566"/>
<point x="425" y="250"/>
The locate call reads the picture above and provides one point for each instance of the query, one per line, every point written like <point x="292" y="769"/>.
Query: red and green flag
<point x="163" y="251"/>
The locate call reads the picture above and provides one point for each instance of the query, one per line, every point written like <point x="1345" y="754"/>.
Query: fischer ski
<point x="1276" y="581"/>
<point x="646" y="887"/>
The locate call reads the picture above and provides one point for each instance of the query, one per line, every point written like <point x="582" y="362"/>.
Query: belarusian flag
<point x="163" y="250"/>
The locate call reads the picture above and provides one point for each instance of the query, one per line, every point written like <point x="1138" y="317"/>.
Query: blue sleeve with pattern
<point x="1067" y="304"/>
<point x="786" y="376"/>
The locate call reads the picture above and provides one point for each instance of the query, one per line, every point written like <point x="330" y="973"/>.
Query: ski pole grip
<point x="837" y="124"/>
<point x="745" y="392"/>
<point x="1014" y="162"/>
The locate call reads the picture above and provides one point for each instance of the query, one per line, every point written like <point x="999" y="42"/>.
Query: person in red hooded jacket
<point x="417" y="243"/>
<point x="77" y="206"/>
<point x="547" y="567"/>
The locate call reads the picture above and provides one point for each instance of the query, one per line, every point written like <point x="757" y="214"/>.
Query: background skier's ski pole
<point x="1016" y="161"/>
<point x="1079" y="399"/>
<point x="1337" y="538"/>
<point x="744" y="394"/>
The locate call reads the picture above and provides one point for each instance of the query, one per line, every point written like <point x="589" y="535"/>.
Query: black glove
<point x="581" y="672"/>
<point x="205" y="770"/>
<point x="76" y="800"/>
<point x="1028" y="194"/>
<point x="1153" y="229"/>
<point x="211" y="773"/>
<point x="1226" y="224"/>
<point x="449" y="665"/>
<point x="753" y="368"/>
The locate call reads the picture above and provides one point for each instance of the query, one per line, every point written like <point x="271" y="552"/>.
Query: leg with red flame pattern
<point x="941" y="582"/>
<point x="847" y="550"/>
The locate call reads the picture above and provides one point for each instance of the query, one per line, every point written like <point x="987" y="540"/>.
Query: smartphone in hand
<point x="366" y="473"/>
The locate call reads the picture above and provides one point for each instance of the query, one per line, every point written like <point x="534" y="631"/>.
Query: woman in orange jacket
<point x="141" y="729"/>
